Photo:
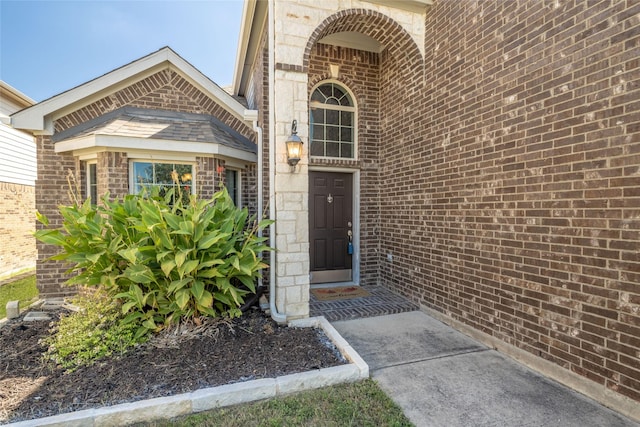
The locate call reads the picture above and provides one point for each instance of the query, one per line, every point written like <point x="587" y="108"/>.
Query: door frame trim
<point x="355" y="259"/>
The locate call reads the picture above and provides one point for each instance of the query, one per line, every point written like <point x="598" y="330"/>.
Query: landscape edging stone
<point x="221" y="396"/>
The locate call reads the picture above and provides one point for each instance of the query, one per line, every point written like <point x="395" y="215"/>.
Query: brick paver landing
<point x="382" y="301"/>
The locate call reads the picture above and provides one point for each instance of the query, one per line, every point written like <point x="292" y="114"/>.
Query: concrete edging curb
<point x="5" y="320"/>
<point x="217" y="397"/>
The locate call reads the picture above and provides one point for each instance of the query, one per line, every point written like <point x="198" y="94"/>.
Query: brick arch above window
<point x="344" y="81"/>
<point x="373" y="24"/>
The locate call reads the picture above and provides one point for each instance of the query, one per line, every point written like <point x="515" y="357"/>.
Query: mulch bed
<point x="243" y="349"/>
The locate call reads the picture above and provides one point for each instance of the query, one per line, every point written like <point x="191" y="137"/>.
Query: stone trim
<point x="289" y="67"/>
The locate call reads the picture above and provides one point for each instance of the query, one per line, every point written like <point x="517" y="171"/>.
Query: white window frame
<point x="132" y="180"/>
<point x="354" y="109"/>
<point x="238" y="173"/>
<point x="87" y="173"/>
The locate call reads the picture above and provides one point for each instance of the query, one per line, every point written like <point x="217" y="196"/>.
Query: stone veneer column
<point x="292" y="197"/>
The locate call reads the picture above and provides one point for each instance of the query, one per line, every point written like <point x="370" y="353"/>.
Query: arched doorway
<point x="365" y="53"/>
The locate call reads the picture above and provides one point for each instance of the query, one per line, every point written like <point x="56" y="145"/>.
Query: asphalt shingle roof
<point x="160" y="124"/>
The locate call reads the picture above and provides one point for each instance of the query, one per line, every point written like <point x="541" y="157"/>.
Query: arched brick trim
<point x="343" y="80"/>
<point x="373" y="24"/>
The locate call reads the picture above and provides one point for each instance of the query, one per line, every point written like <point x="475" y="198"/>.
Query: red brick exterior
<point x="52" y="190"/>
<point x="503" y="173"/>
<point x="259" y="101"/>
<point x="165" y="90"/>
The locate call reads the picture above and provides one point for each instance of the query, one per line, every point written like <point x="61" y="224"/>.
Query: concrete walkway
<point x="441" y="377"/>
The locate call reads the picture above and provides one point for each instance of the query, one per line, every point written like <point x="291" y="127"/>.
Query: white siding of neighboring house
<point x="17" y="188"/>
<point x="17" y="148"/>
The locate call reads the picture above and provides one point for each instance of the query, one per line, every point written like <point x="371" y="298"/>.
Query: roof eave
<point x="254" y="16"/>
<point x="39" y="117"/>
<point x="14" y="95"/>
<point x="127" y="143"/>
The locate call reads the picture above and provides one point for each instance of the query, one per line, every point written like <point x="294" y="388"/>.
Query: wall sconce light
<point x="294" y="145"/>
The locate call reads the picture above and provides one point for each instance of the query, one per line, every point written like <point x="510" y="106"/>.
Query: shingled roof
<point x="160" y="124"/>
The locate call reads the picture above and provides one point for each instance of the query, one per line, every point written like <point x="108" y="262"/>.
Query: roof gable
<point x="40" y="117"/>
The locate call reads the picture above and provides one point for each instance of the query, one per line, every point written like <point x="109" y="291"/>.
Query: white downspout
<point x="278" y="317"/>
<point x="260" y="211"/>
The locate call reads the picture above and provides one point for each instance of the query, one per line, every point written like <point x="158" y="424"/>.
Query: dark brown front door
<point x="331" y="225"/>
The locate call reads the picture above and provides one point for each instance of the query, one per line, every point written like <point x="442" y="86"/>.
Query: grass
<point x="23" y="290"/>
<point x="355" y="404"/>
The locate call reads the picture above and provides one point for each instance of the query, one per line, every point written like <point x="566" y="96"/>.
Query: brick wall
<point x="52" y="190"/>
<point x="17" y="223"/>
<point x="507" y="170"/>
<point x="113" y="174"/>
<point x="207" y="176"/>
<point x="249" y="181"/>
<point x="260" y="73"/>
<point x="165" y="90"/>
<point x="510" y="178"/>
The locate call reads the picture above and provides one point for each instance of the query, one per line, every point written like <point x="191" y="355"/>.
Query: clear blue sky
<point x="48" y="47"/>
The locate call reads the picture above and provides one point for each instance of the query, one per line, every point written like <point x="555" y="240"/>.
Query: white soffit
<point x="417" y="6"/>
<point x="13" y="95"/>
<point x="353" y="40"/>
<point x="254" y="15"/>
<point x="120" y="143"/>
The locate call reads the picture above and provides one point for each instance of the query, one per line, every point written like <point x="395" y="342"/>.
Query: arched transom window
<point x="332" y="120"/>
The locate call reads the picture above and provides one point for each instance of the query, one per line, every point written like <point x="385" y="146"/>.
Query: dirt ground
<point x="247" y="348"/>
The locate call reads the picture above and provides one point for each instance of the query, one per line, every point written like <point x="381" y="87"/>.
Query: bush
<point x="94" y="332"/>
<point x="166" y="259"/>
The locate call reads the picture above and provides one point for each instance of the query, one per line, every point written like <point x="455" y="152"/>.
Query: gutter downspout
<point x="278" y="317"/>
<point x="252" y="115"/>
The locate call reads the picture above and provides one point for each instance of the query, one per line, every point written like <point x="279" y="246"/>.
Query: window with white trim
<point x="91" y="173"/>
<point x="332" y="122"/>
<point x="161" y="175"/>
<point x="232" y="183"/>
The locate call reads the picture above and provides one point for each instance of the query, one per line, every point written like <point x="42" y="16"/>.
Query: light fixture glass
<point x="294" y="145"/>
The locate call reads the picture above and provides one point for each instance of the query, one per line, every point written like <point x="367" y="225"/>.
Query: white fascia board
<point x="416" y="6"/>
<point x="251" y="115"/>
<point x="246" y="25"/>
<point x="234" y="153"/>
<point x="126" y="144"/>
<point x="254" y="21"/>
<point x="33" y="118"/>
<point x="11" y="93"/>
<point x="223" y="98"/>
<point x="91" y="154"/>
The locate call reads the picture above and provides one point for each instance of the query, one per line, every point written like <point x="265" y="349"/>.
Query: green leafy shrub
<point x="94" y="332"/>
<point x="164" y="258"/>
